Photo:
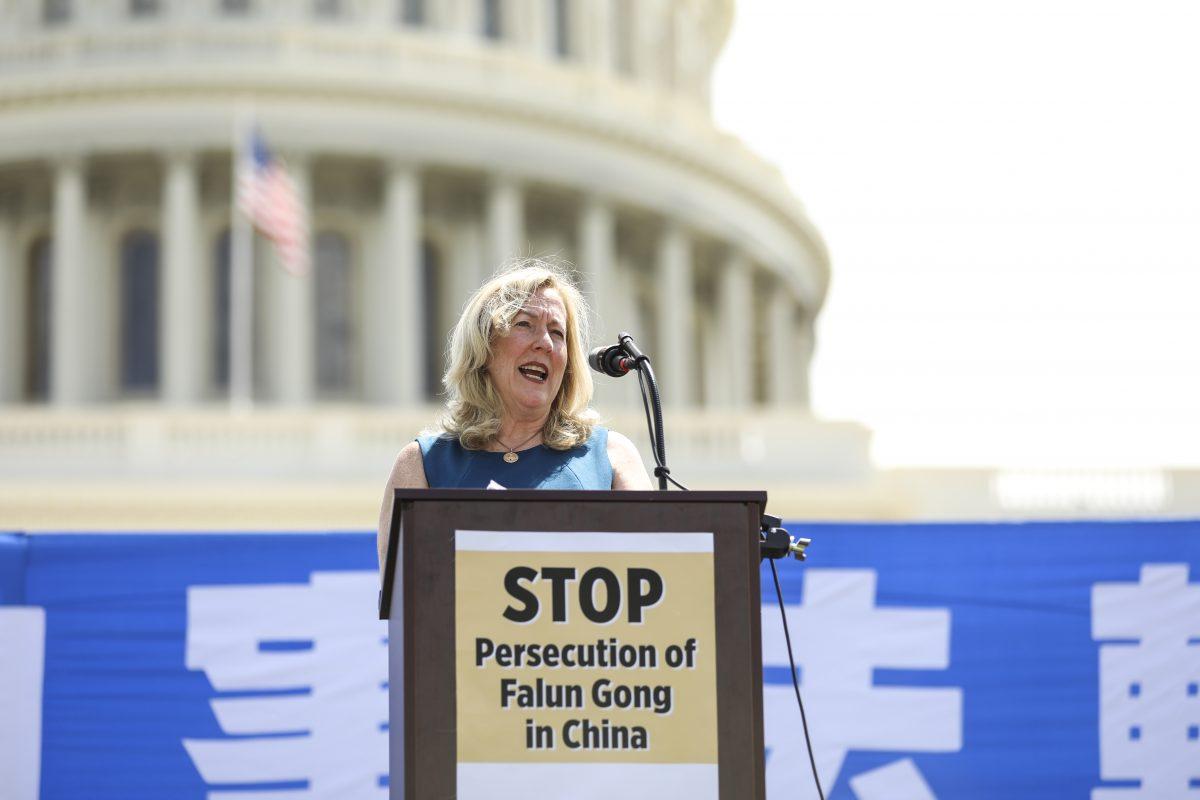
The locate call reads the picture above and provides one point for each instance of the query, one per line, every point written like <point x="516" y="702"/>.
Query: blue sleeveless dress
<point x="448" y="465"/>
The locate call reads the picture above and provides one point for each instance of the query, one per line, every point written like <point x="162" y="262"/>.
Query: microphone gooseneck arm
<point x="652" y="402"/>
<point x="621" y="359"/>
<point x="654" y="419"/>
<point x="647" y="381"/>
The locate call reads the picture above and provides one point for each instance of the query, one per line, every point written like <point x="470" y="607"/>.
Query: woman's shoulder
<point x="619" y="442"/>
<point x="408" y="471"/>
<point x="428" y="440"/>
<point x="628" y="470"/>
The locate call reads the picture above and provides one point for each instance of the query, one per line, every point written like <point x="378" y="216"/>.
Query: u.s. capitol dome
<point x="430" y="142"/>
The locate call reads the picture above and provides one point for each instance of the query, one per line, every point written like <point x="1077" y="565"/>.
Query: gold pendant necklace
<point x="511" y="456"/>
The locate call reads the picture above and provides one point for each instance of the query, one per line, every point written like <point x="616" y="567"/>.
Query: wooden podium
<point x="571" y="644"/>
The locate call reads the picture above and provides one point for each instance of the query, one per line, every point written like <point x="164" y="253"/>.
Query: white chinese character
<point x="1149" y="684"/>
<point x="22" y="662"/>
<point x="324" y="642"/>
<point x="840" y="637"/>
<point x="899" y="780"/>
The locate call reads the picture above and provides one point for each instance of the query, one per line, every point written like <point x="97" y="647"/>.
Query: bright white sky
<point x="1010" y="192"/>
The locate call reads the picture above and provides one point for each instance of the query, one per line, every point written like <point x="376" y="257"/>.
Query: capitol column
<point x="12" y="316"/>
<point x="394" y="373"/>
<point x="382" y="14"/>
<point x="735" y="314"/>
<point x="804" y="338"/>
<point x="182" y="351"/>
<point x="594" y="31"/>
<point x="460" y="17"/>
<point x="598" y="265"/>
<point x="71" y="340"/>
<point x="782" y="360"/>
<point x="529" y="22"/>
<point x="293" y="342"/>
<point x="597" y="261"/>
<point x="672" y="362"/>
<point x="505" y="215"/>
<point x="652" y="41"/>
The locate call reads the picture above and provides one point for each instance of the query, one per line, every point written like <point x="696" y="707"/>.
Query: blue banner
<point x="964" y="661"/>
<point x="936" y="661"/>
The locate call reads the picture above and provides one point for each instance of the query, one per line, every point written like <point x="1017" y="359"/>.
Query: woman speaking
<point x="517" y="413"/>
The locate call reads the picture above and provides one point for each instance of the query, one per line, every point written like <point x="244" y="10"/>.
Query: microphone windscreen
<point x="596" y="359"/>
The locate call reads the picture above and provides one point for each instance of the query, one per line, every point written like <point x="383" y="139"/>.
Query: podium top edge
<point x="578" y="495"/>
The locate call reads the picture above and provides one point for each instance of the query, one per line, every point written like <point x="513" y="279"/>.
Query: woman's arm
<point x="407" y="473"/>
<point x="627" y="467"/>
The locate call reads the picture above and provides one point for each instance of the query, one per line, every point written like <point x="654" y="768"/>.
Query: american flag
<point x="267" y="195"/>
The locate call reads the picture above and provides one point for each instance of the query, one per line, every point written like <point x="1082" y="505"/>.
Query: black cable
<point x="677" y="483"/>
<point x="787" y="637"/>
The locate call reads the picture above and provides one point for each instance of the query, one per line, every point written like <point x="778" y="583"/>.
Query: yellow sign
<point x="589" y="649"/>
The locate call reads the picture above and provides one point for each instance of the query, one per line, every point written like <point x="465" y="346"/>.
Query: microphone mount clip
<point x="775" y="542"/>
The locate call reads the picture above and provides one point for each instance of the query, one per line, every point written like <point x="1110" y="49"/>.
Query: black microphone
<point x="611" y="360"/>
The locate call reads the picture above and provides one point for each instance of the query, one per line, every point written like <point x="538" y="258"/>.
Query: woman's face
<point x="528" y="362"/>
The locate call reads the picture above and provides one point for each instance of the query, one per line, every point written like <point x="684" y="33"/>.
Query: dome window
<point x="56" y="12"/>
<point x="240" y="7"/>
<point x="38" y="304"/>
<point x="139" y="281"/>
<point x="335" y="316"/>
<point x="144" y="8"/>
<point x="412" y="12"/>
<point x="492" y="13"/>
<point x="221" y="280"/>
<point x="562" y="28"/>
<point x="328" y="9"/>
<point x="434" y="331"/>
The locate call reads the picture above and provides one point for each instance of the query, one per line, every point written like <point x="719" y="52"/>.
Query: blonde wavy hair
<point x="473" y="408"/>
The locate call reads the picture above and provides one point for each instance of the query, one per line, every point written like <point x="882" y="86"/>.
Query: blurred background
<point x="892" y="262"/>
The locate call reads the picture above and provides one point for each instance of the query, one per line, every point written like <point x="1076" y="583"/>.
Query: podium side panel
<point x="396" y="652"/>
<point x="739" y="658"/>
<point x="431" y="727"/>
<point x="396" y="702"/>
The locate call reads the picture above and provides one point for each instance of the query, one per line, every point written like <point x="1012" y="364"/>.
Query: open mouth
<point x="534" y="372"/>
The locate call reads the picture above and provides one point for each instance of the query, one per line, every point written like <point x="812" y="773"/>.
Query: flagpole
<point x="241" y="275"/>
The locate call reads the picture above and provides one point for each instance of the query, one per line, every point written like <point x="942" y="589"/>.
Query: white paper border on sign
<point x="584" y="781"/>
<point x="582" y="542"/>
<point x="587" y="781"/>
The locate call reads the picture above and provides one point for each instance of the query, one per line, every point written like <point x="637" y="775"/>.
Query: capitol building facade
<point x="430" y="142"/>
